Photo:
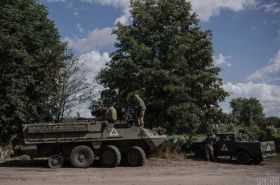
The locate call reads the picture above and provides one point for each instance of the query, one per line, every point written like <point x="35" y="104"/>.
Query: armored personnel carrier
<point x="85" y="140"/>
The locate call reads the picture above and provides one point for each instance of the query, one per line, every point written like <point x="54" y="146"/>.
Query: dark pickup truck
<point x="237" y="145"/>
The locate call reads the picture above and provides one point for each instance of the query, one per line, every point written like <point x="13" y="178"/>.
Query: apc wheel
<point x="135" y="156"/>
<point x="242" y="157"/>
<point x="55" y="161"/>
<point x="110" y="156"/>
<point x="81" y="156"/>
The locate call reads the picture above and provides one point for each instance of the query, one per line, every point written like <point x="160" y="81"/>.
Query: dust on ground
<point x="155" y="172"/>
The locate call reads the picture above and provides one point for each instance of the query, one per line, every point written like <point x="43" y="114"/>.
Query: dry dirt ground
<point x="155" y="172"/>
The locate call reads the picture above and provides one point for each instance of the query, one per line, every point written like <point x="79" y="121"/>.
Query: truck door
<point x="223" y="146"/>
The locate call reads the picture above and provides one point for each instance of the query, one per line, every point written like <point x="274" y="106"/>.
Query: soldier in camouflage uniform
<point x="209" y="147"/>
<point x="111" y="114"/>
<point x="140" y="108"/>
<point x="99" y="110"/>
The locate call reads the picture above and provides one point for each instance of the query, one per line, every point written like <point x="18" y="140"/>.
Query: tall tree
<point x="248" y="111"/>
<point x="31" y="58"/>
<point x="165" y="56"/>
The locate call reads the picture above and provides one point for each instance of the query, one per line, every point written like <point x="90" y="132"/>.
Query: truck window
<point x="226" y="137"/>
<point x="243" y="137"/>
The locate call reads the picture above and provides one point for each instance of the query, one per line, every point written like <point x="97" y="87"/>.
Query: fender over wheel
<point x="81" y="156"/>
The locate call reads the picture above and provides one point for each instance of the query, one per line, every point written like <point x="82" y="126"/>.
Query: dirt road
<point x="155" y="172"/>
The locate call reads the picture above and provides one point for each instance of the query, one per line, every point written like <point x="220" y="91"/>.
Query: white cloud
<point x="123" y="19"/>
<point x="100" y="38"/>
<point x="272" y="7"/>
<point x="94" y="62"/>
<point x="253" y="28"/>
<point x="209" y="8"/>
<point x="53" y="1"/>
<point x="271" y="72"/>
<point x="83" y="110"/>
<point x="124" y="4"/>
<point x="115" y="3"/>
<point x="80" y="28"/>
<point x="222" y="60"/>
<point x="204" y="8"/>
<point x="76" y="13"/>
<point x="96" y="39"/>
<point x="269" y="95"/>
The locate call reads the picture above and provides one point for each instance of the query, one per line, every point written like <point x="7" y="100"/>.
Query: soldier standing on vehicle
<point x="140" y="108"/>
<point x="111" y="114"/>
<point x="98" y="110"/>
<point x="209" y="146"/>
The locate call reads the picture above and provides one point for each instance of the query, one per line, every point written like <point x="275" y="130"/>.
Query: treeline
<point x="248" y="115"/>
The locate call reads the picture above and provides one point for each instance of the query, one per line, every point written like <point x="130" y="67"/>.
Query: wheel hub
<point x="108" y="156"/>
<point x="55" y="161"/>
<point x="81" y="157"/>
<point x="132" y="158"/>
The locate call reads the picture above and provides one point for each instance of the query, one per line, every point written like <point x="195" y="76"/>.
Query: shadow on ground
<point x="43" y="163"/>
<point x="25" y="163"/>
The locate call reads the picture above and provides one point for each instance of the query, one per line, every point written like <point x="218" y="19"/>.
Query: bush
<point x="5" y="153"/>
<point x="276" y="138"/>
<point x="177" y="146"/>
<point x="218" y="128"/>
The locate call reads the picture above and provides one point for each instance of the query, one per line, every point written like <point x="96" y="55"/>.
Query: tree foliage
<point x="31" y="58"/>
<point x="248" y="111"/>
<point x="165" y="56"/>
<point x="271" y="121"/>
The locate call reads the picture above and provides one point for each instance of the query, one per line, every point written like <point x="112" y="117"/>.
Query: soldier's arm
<point x="110" y="113"/>
<point x="142" y="105"/>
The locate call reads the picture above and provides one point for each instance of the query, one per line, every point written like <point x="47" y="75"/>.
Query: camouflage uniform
<point x="209" y="147"/>
<point x="99" y="110"/>
<point x="209" y="151"/>
<point x="140" y="108"/>
<point x="111" y="114"/>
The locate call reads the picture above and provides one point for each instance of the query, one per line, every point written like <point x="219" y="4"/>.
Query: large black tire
<point x="55" y="161"/>
<point x="110" y="156"/>
<point x="135" y="156"/>
<point x="81" y="156"/>
<point x="242" y="157"/>
<point x="199" y="154"/>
